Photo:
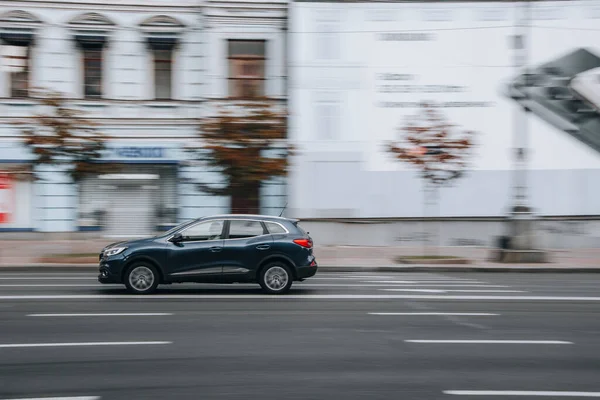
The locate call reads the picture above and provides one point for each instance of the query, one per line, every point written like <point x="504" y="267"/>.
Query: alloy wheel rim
<point x="141" y="278"/>
<point x="276" y="278"/>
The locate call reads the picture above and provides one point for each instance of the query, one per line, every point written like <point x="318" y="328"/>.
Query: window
<point x="16" y="44"/>
<point x="239" y="229"/>
<point x="17" y="60"/>
<point x="209" y="230"/>
<point x="92" y="72"/>
<point x="163" y="63"/>
<point x="327" y="42"/>
<point x="246" y="68"/>
<point x="275" y="228"/>
<point x="327" y="119"/>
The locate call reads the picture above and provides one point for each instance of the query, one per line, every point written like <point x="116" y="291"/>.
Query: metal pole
<point x="521" y="131"/>
<point x="520" y="210"/>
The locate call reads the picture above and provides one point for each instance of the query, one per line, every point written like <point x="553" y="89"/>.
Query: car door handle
<point x="263" y="247"/>
<point x="216" y="249"/>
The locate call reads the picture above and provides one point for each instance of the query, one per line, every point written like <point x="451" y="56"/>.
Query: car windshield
<point x="178" y="227"/>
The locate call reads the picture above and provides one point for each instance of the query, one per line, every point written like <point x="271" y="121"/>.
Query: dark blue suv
<point x="272" y="251"/>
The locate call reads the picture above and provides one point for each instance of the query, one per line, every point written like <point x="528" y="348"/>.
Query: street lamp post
<point x="521" y="221"/>
<point x="521" y="217"/>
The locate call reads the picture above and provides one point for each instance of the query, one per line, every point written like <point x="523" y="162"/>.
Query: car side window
<point x="209" y="230"/>
<point x="275" y="228"/>
<point x="240" y="229"/>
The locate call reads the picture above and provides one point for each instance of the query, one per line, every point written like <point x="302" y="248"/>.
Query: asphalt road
<point x="336" y="336"/>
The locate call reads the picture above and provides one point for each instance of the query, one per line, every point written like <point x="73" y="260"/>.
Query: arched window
<point x="162" y="34"/>
<point x="17" y="33"/>
<point x="91" y="32"/>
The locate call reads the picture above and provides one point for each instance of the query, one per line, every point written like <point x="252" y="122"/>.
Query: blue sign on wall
<point x="140" y="152"/>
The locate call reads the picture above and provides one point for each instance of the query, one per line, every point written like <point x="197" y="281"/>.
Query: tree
<point x="246" y="144"/>
<point x="435" y="147"/>
<point x="61" y="136"/>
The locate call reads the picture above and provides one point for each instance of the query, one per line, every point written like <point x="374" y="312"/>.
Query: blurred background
<point x="523" y="77"/>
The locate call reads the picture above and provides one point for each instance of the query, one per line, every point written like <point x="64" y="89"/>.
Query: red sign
<point x="7" y="198"/>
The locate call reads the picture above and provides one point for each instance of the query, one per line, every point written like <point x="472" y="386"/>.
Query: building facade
<point x="145" y="72"/>
<point x="360" y="70"/>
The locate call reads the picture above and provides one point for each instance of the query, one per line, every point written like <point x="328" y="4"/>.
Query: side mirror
<point x="176" y="238"/>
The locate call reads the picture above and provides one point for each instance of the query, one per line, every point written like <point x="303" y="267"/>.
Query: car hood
<point x="127" y="243"/>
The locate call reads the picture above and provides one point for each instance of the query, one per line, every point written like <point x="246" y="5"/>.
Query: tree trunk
<point x="246" y="199"/>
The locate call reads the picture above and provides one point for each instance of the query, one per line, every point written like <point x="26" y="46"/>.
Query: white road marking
<point x="378" y="285"/>
<point x="78" y="344"/>
<point x="337" y="277"/>
<point x="451" y="341"/>
<point x="56" y="285"/>
<point x="416" y="290"/>
<point x="45" y="278"/>
<point x="378" y="279"/>
<point x="520" y="393"/>
<point x="457" y="314"/>
<point x="458" y="290"/>
<point x="63" y="398"/>
<point x="295" y="297"/>
<point x="484" y="291"/>
<point x="440" y="285"/>
<point x="381" y="285"/>
<point x="420" y="282"/>
<point x="398" y="277"/>
<point x="101" y="315"/>
<point x="90" y="272"/>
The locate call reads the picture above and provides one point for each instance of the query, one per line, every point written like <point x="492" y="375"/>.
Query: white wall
<point x="345" y="171"/>
<point x="550" y="234"/>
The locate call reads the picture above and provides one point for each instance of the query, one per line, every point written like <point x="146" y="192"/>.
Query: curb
<point x="438" y="261"/>
<point x="57" y="268"/>
<point x="459" y="268"/>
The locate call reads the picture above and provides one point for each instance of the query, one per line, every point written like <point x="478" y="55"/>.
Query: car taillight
<point x="306" y="243"/>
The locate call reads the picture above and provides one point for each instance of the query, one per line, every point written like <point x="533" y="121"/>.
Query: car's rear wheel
<point x="276" y="278"/>
<point x="141" y="278"/>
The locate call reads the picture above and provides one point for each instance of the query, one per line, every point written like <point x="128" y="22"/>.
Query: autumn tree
<point x="62" y="136"/>
<point x="245" y="143"/>
<point x="439" y="150"/>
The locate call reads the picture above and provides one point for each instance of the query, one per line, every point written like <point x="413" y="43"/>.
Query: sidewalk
<point x="23" y="253"/>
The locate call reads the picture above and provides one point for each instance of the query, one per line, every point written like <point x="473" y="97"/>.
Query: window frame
<point x="234" y="80"/>
<point x="265" y="230"/>
<point x="84" y="51"/>
<point x="327" y="108"/>
<point x="285" y="230"/>
<point x="27" y="71"/>
<point x="222" y="235"/>
<point x="155" y="61"/>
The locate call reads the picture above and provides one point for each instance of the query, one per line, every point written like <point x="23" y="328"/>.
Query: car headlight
<point x="114" y="251"/>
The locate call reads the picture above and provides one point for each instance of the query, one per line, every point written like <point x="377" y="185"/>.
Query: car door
<point x="246" y="244"/>
<point x="197" y="256"/>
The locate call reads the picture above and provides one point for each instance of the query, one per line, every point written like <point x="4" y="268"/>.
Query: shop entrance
<point x="137" y="201"/>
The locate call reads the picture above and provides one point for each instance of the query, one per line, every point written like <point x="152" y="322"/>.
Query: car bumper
<point x="110" y="271"/>
<point x="307" y="271"/>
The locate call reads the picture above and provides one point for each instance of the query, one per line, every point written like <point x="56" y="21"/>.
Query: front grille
<point x="101" y="256"/>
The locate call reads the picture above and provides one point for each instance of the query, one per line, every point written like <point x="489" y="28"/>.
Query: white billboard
<point x="359" y="69"/>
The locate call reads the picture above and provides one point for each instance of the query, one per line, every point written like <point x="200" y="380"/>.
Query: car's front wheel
<point x="141" y="278"/>
<point x="276" y="278"/>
